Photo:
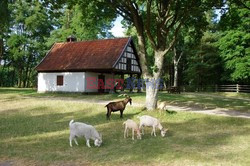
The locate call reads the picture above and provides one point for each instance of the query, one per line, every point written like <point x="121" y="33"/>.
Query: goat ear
<point x="127" y="96"/>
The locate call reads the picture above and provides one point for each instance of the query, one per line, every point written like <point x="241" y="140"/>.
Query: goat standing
<point x="147" y="120"/>
<point x="78" y="129"/>
<point x="117" y="106"/>
<point x="130" y="124"/>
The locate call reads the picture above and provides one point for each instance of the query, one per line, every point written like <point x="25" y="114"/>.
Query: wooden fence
<point x="217" y="88"/>
<point x="232" y="88"/>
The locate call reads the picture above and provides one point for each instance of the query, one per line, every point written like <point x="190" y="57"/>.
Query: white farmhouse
<point x="87" y="66"/>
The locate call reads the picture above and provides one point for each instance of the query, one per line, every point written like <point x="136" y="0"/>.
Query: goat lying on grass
<point x="78" y="129"/>
<point x="130" y="124"/>
<point x="147" y="120"/>
<point x="117" y="106"/>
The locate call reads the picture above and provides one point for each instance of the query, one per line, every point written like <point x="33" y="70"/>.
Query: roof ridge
<point x="93" y="40"/>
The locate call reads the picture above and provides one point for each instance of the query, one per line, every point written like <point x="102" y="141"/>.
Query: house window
<point x="59" y="80"/>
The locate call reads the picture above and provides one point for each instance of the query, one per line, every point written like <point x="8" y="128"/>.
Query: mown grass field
<point x="229" y="100"/>
<point x="34" y="131"/>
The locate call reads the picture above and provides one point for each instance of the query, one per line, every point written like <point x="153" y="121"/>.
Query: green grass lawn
<point x="231" y="101"/>
<point x="34" y="131"/>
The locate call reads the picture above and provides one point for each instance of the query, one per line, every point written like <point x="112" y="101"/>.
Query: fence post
<point x="237" y="88"/>
<point x="216" y="88"/>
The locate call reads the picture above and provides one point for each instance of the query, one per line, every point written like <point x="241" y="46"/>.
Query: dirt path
<point x="216" y="111"/>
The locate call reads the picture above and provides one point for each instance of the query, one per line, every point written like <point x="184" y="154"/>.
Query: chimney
<point x="71" y="38"/>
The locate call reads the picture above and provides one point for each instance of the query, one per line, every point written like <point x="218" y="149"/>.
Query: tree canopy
<point x="234" y="43"/>
<point x="210" y="48"/>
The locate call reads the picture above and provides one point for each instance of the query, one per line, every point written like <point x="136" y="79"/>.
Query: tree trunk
<point x="29" y="78"/>
<point x="175" y="73"/>
<point x="20" y="78"/>
<point x="152" y="84"/>
<point x="1" y="57"/>
<point x="2" y="80"/>
<point x="1" y="49"/>
<point x="151" y="96"/>
<point x="26" y="76"/>
<point x="12" y="77"/>
<point x="176" y="63"/>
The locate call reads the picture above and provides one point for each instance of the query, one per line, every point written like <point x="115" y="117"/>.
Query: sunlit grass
<point x="207" y="101"/>
<point x="231" y="101"/>
<point x="34" y="131"/>
<point x="233" y="94"/>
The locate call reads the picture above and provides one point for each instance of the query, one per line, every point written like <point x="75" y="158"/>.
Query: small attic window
<point x="59" y="80"/>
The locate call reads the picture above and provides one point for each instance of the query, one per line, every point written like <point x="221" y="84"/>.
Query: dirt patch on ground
<point x="197" y="108"/>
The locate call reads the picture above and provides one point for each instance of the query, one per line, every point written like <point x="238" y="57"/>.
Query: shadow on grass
<point x="200" y="134"/>
<point x="196" y="137"/>
<point x="44" y="137"/>
<point x="27" y="124"/>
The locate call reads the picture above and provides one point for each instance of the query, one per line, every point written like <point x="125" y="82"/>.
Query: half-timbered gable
<point x="129" y="61"/>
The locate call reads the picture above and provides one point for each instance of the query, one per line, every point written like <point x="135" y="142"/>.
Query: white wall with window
<point x="72" y="82"/>
<point x="68" y="81"/>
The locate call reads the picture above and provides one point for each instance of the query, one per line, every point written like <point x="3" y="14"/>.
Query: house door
<point x="101" y="83"/>
<point x="128" y="64"/>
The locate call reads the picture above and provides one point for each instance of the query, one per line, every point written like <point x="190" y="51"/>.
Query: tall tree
<point x="189" y="39"/>
<point x="4" y="25"/>
<point x="158" y="21"/>
<point x="204" y="63"/>
<point x="29" y="27"/>
<point x="4" y="20"/>
<point x="234" y="42"/>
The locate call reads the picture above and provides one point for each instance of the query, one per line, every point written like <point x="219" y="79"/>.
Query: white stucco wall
<point x="73" y="82"/>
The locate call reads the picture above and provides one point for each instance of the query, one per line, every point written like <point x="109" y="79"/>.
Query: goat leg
<point x="142" y="129"/>
<point x="125" y="131"/>
<point x="154" y="131"/>
<point x="121" y="114"/>
<point x="70" y="141"/>
<point x="76" y="141"/>
<point x="133" y="134"/>
<point x="87" y="143"/>
<point x="108" y="114"/>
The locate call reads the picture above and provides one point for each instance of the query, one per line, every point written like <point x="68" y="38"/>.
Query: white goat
<point x="147" y="120"/>
<point x="78" y="129"/>
<point x="130" y="124"/>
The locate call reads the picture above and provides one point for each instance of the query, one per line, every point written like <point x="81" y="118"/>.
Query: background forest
<point x="210" y="49"/>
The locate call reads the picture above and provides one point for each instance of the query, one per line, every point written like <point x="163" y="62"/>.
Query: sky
<point x="117" y="30"/>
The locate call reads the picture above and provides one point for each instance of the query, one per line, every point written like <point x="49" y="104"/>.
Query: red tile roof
<point x="86" y="55"/>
